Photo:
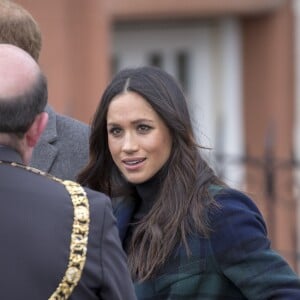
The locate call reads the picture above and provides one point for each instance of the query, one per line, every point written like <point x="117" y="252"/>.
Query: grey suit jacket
<point x="63" y="148"/>
<point x="36" y="220"/>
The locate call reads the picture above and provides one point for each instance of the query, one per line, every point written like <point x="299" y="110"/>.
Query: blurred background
<point x="239" y="65"/>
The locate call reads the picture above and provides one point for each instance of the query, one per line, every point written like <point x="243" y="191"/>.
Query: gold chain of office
<point x="79" y="236"/>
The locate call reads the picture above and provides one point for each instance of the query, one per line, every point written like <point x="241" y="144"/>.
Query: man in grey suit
<point x="64" y="146"/>
<point x="58" y="240"/>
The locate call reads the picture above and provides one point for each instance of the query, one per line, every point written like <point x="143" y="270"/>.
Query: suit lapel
<point x="45" y="152"/>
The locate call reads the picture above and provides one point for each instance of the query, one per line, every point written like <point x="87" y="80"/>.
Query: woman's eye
<point x="115" y="131"/>
<point x="143" y="128"/>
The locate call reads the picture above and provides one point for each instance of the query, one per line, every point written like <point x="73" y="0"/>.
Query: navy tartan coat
<point x="235" y="262"/>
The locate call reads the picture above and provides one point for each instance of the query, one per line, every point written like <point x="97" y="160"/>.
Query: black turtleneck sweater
<point x="146" y="195"/>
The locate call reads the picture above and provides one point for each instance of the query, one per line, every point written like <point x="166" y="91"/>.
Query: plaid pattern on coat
<point x="235" y="262"/>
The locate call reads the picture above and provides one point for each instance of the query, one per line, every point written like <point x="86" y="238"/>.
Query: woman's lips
<point x="133" y="163"/>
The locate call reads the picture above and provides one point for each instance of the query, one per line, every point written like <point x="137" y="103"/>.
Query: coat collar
<point x="123" y="208"/>
<point x="50" y="133"/>
<point x="9" y="154"/>
<point x="45" y="152"/>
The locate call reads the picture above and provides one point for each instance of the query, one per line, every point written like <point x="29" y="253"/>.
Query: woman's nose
<point x="129" y="143"/>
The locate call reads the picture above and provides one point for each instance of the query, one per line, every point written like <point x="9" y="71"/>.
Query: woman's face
<point x="138" y="139"/>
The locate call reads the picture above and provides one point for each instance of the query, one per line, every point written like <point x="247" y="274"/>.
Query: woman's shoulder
<point x="235" y="212"/>
<point x="227" y="198"/>
<point x="217" y="190"/>
<point x="235" y="216"/>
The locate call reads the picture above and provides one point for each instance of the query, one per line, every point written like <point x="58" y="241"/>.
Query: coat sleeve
<point x="243" y="254"/>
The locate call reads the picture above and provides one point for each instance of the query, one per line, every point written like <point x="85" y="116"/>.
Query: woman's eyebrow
<point x="142" y="120"/>
<point x="132" y="122"/>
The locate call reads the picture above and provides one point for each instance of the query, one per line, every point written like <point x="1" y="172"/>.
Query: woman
<point x="186" y="234"/>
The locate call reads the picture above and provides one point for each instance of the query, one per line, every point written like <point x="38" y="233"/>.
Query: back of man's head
<point x="23" y="90"/>
<point x="18" y="27"/>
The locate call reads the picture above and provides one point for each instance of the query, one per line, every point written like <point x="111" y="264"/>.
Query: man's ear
<point x="36" y="129"/>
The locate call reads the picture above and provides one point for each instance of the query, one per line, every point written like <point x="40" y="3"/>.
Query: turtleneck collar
<point x="148" y="192"/>
<point x="146" y="195"/>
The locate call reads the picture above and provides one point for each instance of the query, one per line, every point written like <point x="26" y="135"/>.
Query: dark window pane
<point x="156" y="59"/>
<point x="182" y="65"/>
<point x="114" y="65"/>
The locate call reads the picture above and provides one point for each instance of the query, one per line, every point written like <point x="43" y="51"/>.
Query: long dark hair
<point x="183" y="200"/>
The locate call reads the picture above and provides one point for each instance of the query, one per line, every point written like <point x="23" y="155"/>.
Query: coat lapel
<point x="123" y="211"/>
<point x="45" y="152"/>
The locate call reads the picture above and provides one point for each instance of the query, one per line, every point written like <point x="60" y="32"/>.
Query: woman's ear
<point x="36" y="129"/>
